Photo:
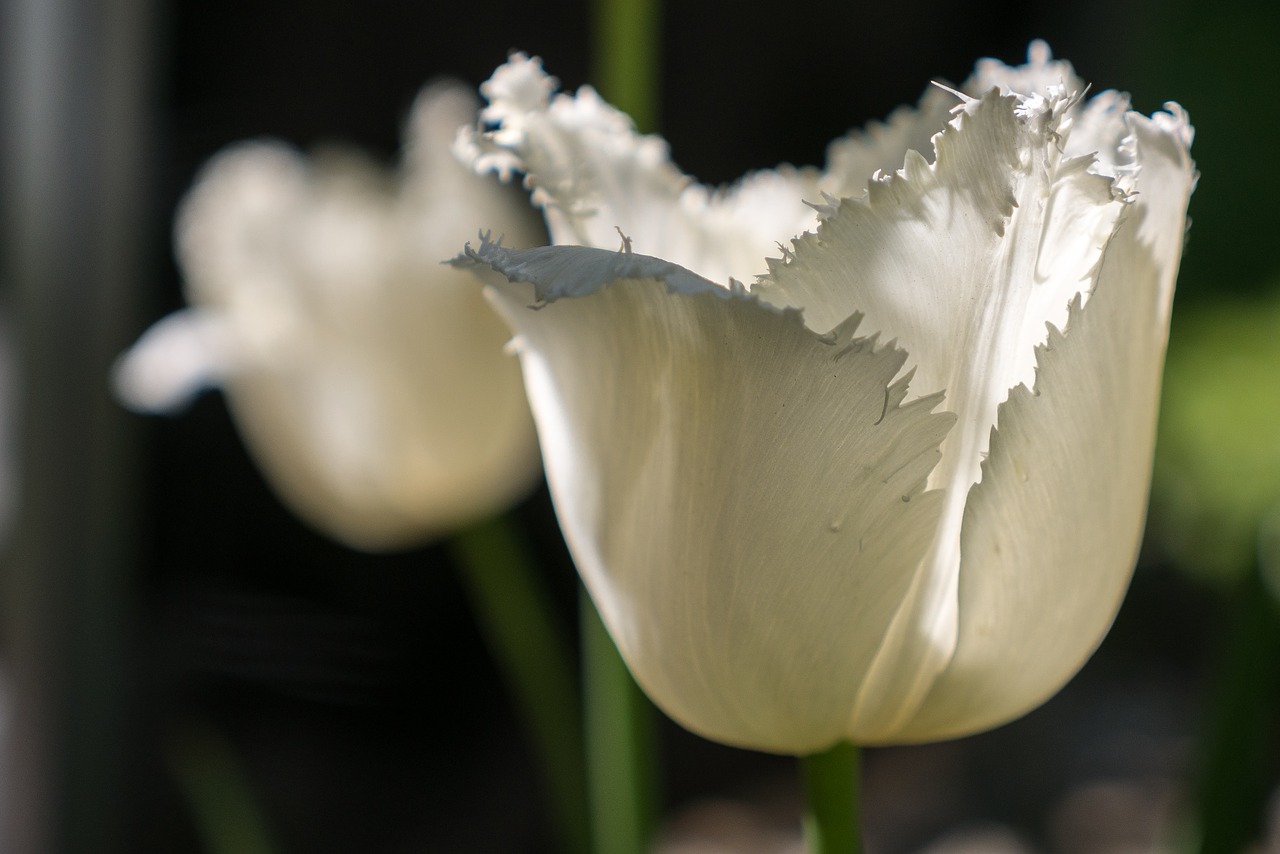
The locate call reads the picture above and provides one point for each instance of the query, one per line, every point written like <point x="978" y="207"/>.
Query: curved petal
<point x="962" y="262"/>
<point x="176" y="359"/>
<point x="743" y="497"/>
<point x="594" y="175"/>
<point x="1051" y="533"/>
<point x="1099" y="130"/>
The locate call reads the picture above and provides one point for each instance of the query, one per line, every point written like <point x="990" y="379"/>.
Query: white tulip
<point x="894" y="490"/>
<point x="368" y="380"/>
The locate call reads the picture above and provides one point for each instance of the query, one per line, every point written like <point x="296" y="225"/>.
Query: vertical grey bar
<point x="75" y="147"/>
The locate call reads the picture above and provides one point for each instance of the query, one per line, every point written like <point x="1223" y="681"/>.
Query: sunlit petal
<point x="652" y="396"/>
<point x="963" y="262"/>
<point x="1036" y="598"/>
<point x="593" y="175"/>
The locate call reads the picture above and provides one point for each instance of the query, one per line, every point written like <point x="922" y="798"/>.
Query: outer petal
<point x="743" y="497"/>
<point x="1051" y="534"/>
<point x="368" y="380"/>
<point x="963" y="262"/>
<point x="594" y="175"/>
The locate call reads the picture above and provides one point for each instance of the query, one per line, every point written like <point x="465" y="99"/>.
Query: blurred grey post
<point x="75" y="138"/>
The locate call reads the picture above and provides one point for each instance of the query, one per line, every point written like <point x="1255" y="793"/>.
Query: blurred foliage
<point x="1216" y="511"/>
<point x="227" y="811"/>
<point x="1237" y="748"/>
<point x="1269" y="551"/>
<point x="1217" y="471"/>
<point x="1216" y="490"/>
<point x="1218" y="456"/>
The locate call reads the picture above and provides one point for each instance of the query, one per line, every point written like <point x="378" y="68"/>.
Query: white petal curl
<point x="176" y="359"/>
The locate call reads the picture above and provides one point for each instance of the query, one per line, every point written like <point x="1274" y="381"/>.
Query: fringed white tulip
<point x="894" y="490"/>
<point x="369" y="381"/>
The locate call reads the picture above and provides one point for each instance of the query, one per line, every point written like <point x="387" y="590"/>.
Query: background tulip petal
<point x="368" y="380"/>
<point x="854" y="159"/>
<point x="744" y="498"/>
<point x="176" y="359"/>
<point x="1036" y="598"/>
<point x="1038" y="75"/>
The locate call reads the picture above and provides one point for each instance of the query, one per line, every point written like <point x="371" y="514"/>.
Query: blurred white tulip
<point x="368" y="380"/>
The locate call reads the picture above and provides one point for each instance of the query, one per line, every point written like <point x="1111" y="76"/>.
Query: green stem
<point x="831" y="825"/>
<point x="625" y="65"/>
<point x="620" y="745"/>
<point x="619" y="719"/>
<point x="520" y="626"/>
<point x="219" y="793"/>
<point x="1240" y="738"/>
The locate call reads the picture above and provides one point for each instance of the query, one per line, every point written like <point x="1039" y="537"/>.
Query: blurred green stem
<point x="619" y="719"/>
<point x="1239" y="738"/>
<point x="620" y="744"/>
<point x="832" y="822"/>
<point x="526" y="639"/>
<point x="625" y="64"/>
<point x="219" y="792"/>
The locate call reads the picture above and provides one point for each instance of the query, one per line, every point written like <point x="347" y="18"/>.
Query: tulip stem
<point x="526" y="638"/>
<point x="619" y="720"/>
<point x="831" y="824"/>
<point x="621" y="768"/>
<point x="220" y="795"/>
<point x="1240" y="734"/>
<point x="625" y="64"/>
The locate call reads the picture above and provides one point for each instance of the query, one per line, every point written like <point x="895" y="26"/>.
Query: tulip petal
<point x="963" y="262"/>
<point x="368" y="380"/>
<point x="594" y="175"/>
<point x="176" y="359"/>
<point x="1036" y="598"/>
<point x="931" y="246"/>
<point x="744" y="498"/>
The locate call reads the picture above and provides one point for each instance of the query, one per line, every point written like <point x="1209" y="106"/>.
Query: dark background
<point x="352" y="691"/>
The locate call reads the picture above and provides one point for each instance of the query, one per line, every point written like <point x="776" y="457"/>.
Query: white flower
<point x="369" y="381"/>
<point x="894" y="491"/>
